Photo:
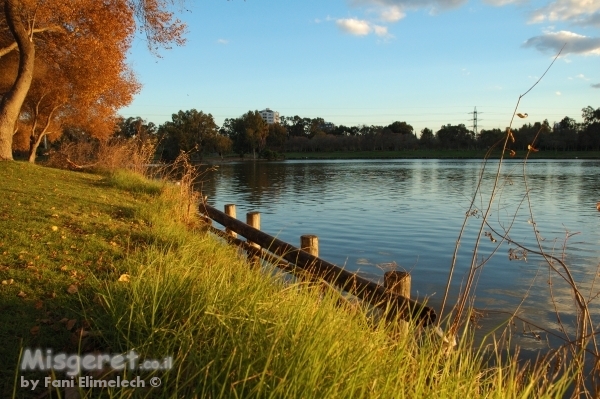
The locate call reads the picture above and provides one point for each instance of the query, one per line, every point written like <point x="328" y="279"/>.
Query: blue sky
<point x="373" y="62"/>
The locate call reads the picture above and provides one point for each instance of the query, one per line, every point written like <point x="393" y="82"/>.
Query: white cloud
<point x="381" y="31"/>
<point x="319" y="20"/>
<point x="558" y="93"/>
<point x="354" y="26"/>
<point x="223" y="41"/>
<point x="392" y="14"/>
<point x="359" y="27"/>
<point x="596" y="86"/>
<point x="581" y="12"/>
<point x="575" y="43"/>
<point x="579" y="76"/>
<point x="402" y="5"/>
<point x="500" y="3"/>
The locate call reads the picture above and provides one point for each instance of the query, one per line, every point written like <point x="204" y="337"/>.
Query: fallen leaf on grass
<point x="124" y="278"/>
<point x="72" y="289"/>
<point x="39" y="305"/>
<point x="54" y="228"/>
<point x="63" y="320"/>
<point x="71" y="324"/>
<point x="8" y="282"/>
<point x="21" y="294"/>
<point x="35" y="330"/>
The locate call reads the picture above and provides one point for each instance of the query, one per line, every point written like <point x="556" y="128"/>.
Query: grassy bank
<point x="438" y="154"/>
<point x="104" y="263"/>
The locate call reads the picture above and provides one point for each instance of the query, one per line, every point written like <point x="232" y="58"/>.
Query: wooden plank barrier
<point x="304" y="263"/>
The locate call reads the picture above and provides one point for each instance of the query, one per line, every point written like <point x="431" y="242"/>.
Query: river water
<point x="378" y="215"/>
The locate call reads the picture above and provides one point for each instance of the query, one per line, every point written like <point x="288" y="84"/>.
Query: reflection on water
<point x="369" y="214"/>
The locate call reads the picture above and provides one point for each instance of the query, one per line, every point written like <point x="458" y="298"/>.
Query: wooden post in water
<point x="230" y="211"/>
<point x="253" y="220"/>
<point x="310" y="243"/>
<point x="398" y="283"/>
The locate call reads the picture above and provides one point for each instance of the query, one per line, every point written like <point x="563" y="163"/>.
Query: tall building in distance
<point x="269" y="116"/>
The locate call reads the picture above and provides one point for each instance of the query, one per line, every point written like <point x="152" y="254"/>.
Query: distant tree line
<point x="249" y="134"/>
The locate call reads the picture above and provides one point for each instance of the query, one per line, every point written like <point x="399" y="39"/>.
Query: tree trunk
<point x="10" y="107"/>
<point x="33" y="146"/>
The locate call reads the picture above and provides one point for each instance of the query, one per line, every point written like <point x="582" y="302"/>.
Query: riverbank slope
<point x="111" y="263"/>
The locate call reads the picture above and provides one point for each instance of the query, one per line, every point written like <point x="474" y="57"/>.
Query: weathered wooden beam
<point x="318" y="268"/>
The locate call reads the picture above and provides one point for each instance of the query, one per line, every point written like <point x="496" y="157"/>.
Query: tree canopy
<point x="64" y="63"/>
<point x="190" y="131"/>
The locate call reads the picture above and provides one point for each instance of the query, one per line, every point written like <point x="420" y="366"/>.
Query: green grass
<point x="437" y="154"/>
<point x="233" y="330"/>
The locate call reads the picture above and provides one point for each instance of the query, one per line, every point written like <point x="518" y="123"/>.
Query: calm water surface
<point x="371" y="216"/>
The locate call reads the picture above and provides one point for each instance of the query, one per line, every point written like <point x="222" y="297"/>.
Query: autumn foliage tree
<point x="64" y="63"/>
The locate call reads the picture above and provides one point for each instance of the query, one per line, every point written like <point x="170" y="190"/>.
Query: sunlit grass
<point x="233" y="330"/>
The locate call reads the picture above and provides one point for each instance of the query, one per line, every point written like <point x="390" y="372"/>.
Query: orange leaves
<point x="72" y="289"/>
<point x="510" y="134"/>
<point x="160" y="26"/>
<point x="70" y="324"/>
<point x="57" y="325"/>
<point x="531" y="148"/>
<point x="491" y="237"/>
<point x="77" y="50"/>
<point x="81" y="74"/>
<point x="511" y="152"/>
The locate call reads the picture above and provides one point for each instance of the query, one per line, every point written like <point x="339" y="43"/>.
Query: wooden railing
<point x="392" y="298"/>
